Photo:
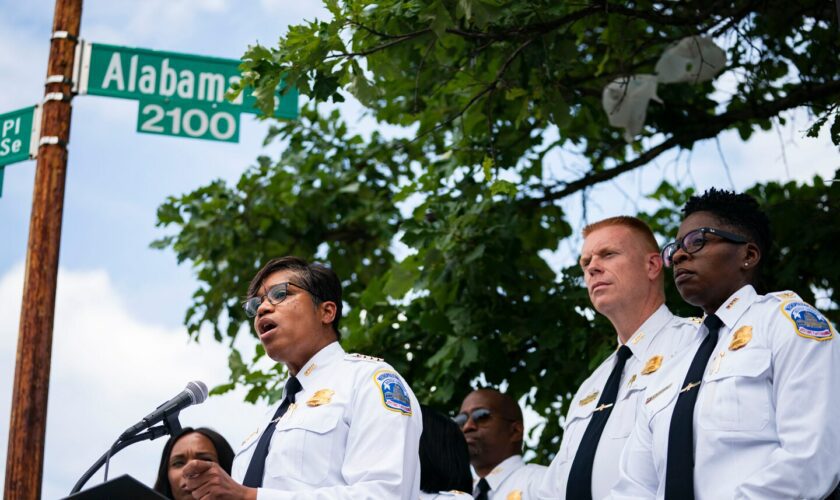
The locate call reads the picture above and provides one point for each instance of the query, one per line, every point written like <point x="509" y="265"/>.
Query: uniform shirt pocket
<point x="737" y="396"/>
<point x="623" y="416"/>
<point x="576" y="422"/>
<point x="311" y="432"/>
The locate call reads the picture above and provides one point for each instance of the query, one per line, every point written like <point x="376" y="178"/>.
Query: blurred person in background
<point x="493" y="428"/>
<point x="200" y="444"/>
<point x="444" y="459"/>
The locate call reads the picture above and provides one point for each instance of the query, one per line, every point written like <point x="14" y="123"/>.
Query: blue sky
<point x="119" y="346"/>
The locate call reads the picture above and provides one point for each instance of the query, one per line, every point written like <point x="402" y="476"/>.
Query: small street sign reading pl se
<point x="19" y="132"/>
<point x="18" y="136"/>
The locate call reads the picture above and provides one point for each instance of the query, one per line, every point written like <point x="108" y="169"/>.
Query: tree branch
<point x="394" y="41"/>
<point x="706" y="129"/>
<point x="490" y="87"/>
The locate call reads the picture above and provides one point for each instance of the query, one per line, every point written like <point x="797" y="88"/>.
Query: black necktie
<point x="254" y="475"/>
<point x="679" y="469"/>
<point x="483" y="488"/>
<point x="579" y="485"/>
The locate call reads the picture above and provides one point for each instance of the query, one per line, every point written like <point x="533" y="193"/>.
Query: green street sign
<point x="196" y="120"/>
<point x="182" y="80"/>
<point x="19" y="135"/>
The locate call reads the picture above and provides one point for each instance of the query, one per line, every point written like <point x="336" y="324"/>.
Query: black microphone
<point x="195" y="393"/>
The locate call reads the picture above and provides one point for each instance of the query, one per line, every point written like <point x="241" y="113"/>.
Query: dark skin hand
<point x="208" y="481"/>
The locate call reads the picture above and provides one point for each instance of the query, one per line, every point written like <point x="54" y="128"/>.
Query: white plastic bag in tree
<point x="693" y="59"/>
<point x="626" y="100"/>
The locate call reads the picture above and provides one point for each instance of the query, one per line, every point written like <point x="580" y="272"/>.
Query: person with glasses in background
<point x="493" y="428"/>
<point x="347" y="425"/>
<point x="750" y="410"/>
<point x="623" y="273"/>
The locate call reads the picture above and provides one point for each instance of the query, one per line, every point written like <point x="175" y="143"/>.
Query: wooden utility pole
<point x="25" y="457"/>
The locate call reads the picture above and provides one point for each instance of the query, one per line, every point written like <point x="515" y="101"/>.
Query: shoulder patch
<point x="394" y="395"/>
<point x="807" y="321"/>
<point x="363" y="357"/>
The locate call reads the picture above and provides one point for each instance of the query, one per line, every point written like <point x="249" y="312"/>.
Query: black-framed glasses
<point x="275" y="295"/>
<point x="478" y="416"/>
<point x="693" y="242"/>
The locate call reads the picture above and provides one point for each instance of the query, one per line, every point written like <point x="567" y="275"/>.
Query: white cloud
<point x="110" y="367"/>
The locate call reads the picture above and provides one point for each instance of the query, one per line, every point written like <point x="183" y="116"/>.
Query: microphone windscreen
<point x="197" y="391"/>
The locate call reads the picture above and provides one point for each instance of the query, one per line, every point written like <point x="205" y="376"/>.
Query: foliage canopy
<point x="492" y="89"/>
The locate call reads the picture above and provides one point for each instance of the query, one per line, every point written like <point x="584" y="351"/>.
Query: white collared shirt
<point x="353" y="432"/>
<point x="512" y="479"/>
<point x="653" y="345"/>
<point x="766" y="418"/>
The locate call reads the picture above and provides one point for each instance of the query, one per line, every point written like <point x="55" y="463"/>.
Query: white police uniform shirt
<point x="766" y="418"/>
<point x="446" y="495"/>
<point x="512" y="479"/>
<point x="654" y="344"/>
<point x="353" y="432"/>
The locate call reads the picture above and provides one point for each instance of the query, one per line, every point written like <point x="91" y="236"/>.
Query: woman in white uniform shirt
<point x="749" y="412"/>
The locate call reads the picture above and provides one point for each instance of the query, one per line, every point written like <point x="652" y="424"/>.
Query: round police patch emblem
<point x="394" y="395"/>
<point x="807" y="321"/>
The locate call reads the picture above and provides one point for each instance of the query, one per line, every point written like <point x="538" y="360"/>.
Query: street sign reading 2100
<point x="179" y="94"/>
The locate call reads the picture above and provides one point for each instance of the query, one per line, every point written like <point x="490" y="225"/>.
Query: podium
<point x="123" y="487"/>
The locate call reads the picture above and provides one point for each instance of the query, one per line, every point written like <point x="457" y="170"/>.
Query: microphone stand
<point x="170" y="426"/>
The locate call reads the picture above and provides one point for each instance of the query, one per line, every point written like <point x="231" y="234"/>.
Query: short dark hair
<point x="741" y="211"/>
<point x="223" y="451"/>
<point x="444" y="457"/>
<point x="321" y="282"/>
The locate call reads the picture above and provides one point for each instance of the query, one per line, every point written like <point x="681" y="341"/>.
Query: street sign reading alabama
<point x="179" y="94"/>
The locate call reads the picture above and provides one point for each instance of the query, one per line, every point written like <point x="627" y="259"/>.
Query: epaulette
<point x="785" y="296"/>
<point x="363" y="357"/>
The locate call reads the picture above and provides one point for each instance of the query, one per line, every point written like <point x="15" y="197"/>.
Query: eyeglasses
<point x="275" y="295"/>
<point x="693" y="242"/>
<point x="478" y="416"/>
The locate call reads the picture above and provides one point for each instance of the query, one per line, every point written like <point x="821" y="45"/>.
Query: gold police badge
<point x="321" y="397"/>
<point x="652" y="365"/>
<point x="740" y="338"/>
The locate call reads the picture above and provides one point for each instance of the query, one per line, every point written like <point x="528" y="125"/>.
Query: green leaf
<point x="503" y="187"/>
<point x="487" y="167"/>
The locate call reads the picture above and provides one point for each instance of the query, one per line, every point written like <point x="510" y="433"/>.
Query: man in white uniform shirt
<point x="493" y="427"/>
<point x="348" y="426"/>
<point x="624" y="276"/>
